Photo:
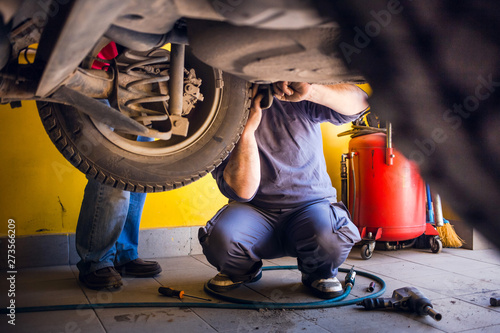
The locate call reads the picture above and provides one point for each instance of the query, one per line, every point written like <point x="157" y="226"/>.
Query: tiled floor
<point x="458" y="282"/>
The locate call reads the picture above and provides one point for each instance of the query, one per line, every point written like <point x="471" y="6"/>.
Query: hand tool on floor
<point x="407" y="299"/>
<point x="166" y="291"/>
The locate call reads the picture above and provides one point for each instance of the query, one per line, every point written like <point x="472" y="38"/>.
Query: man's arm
<point x="242" y="172"/>
<point x="344" y="98"/>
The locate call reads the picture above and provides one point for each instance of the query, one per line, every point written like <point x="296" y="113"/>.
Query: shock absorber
<point x="343" y="180"/>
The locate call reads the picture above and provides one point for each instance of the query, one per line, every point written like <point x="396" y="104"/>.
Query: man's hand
<point x="344" y="98"/>
<point x="292" y="91"/>
<point x="254" y="116"/>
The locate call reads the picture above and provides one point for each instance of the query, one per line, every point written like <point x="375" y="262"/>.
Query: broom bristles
<point x="449" y="237"/>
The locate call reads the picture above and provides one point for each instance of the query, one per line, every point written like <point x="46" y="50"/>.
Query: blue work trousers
<point x="319" y="234"/>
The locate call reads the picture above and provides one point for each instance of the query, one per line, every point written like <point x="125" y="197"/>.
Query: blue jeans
<point x="319" y="234"/>
<point x="107" y="232"/>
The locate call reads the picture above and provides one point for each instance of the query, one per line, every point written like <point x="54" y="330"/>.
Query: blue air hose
<point x="236" y="303"/>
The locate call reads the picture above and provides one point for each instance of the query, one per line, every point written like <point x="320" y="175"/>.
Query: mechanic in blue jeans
<point x="107" y="236"/>
<point x="281" y="200"/>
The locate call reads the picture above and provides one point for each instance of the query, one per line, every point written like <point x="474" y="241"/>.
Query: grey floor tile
<point x="55" y="321"/>
<point x="402" y="269"/>
<point x="456" y="264"/>
<point x="133" y="290"/>
<point x="487" y="329"/>
<point x="201" y="258"/>
<point x="355" y="319"/>
<point x="491" y="256"/>
<point x="152" y="320"/>
<point x="482" y="299"/>
<point x="258" y="321"/>
<point x="488" y="274"/>
<point x="181" y="263"/>
<point x="187" y="276"/>
<point x="44" y="286"/>
<point x="285" y="261"/>
<point x="452" y="284"/>
<point x="460" y="316"/>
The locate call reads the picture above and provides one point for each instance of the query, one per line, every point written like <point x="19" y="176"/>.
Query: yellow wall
<point x="42" y="192"/>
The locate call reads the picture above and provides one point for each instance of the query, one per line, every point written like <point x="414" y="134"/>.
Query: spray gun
<point x="407" y="299"/>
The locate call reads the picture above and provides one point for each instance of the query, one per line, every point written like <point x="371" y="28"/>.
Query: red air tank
<point x="386" y="192"/>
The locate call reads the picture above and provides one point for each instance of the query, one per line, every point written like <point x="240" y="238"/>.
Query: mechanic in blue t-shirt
<point x="282" y="202"/>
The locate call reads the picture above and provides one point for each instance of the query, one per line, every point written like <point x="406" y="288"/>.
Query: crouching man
<point x="281" y="200"/>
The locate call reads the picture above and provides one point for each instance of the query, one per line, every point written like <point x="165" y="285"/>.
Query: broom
<point x="446" y="231"/>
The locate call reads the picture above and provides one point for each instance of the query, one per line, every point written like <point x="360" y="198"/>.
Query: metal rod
<point x="389" y="152"/>
<point x="176" y="83"/>
<point x="389" y="135"/>
<point x="343" y="180"/>
<point x="433" y="313"/>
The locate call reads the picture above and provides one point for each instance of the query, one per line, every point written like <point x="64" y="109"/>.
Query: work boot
<point x="323" y="288"/>
<point x="106" y="277"/>
<point x="222" y="282"/>
<point x="139" y="268"/>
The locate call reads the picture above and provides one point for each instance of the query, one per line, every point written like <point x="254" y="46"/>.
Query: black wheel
<point x="436" y="245"/>
<point x="118" y="160"/>
<point x="366" y="253"/>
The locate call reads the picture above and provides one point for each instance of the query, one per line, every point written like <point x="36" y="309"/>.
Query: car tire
<point x="155" y="166"/>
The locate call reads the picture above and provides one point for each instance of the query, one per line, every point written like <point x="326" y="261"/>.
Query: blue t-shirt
<point x="293" y="167"/>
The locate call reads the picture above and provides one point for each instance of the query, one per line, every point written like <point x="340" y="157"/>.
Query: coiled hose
<point x="236" y="303"/>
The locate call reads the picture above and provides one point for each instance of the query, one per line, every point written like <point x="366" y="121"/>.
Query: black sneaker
<point x="222" y="282"/>
<point x="139" y="268"/>
<point x="324" y="288"/>
<point x="106" y="277"/>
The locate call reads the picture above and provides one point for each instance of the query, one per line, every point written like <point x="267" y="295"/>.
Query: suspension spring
<point x="149" y="70"/>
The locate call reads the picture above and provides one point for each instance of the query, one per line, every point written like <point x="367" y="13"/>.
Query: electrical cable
<point x="237" y="303"/>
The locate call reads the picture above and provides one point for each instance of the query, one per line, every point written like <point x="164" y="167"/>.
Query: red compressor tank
<point x="386" y="193"/>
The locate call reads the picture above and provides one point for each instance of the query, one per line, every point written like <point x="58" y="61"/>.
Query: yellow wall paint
<point x="40" y="189"/>
<point x="37" y="182"/>
<point x="333" y="148"/>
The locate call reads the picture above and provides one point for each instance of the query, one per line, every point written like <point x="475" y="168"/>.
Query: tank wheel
<point x="436" y="244"/>
<point x="366" y="252"/>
